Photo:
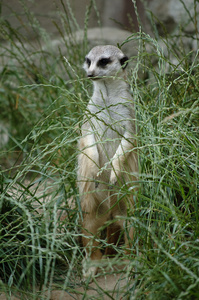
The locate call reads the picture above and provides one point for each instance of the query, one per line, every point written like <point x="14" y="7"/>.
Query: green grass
<point x="42" y="100"/>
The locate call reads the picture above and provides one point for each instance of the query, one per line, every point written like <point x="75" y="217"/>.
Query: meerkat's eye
<point x="88" y="61"/>
<point x="103" y="62"/>
<point x="124" y="62"/>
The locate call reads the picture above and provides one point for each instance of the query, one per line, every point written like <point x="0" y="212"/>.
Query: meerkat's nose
<point x="91" y="74"/>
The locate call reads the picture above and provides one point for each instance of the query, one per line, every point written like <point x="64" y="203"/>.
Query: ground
<point x="109" y="286"/>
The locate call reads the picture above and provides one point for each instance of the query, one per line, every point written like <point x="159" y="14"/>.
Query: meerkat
<point x="108" y="158"/>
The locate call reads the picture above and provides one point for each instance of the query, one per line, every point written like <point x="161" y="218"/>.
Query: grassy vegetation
<point x="42" y="99"/>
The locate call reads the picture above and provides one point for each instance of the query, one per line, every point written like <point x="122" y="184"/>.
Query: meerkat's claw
<point x="96" y="184"/>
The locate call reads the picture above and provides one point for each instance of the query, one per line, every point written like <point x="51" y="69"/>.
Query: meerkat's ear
<point x="123" y="62"/>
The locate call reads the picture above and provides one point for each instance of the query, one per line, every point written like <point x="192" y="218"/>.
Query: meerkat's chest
<point x="110" y="110"/>
<point x="109" y="120"/>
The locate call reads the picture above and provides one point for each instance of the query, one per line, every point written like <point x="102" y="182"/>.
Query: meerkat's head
<point x="105" y="61"/>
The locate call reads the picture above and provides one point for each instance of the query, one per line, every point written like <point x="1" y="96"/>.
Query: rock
<point x="4" y="137"/>
<point x="35" y="52"/>
<point x="101" y="36"/>
<point x="174" y="14"/>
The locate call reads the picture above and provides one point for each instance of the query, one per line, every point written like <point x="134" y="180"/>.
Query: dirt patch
<point x="106" y="286"/>
<point x="111" y="283"/>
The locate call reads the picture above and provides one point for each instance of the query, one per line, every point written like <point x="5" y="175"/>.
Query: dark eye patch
<point x="103" y="62"/>
<point x="88" y="61"/>
<point x="124" y="62"/>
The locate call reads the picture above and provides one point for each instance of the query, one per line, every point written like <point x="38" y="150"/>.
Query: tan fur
<point x="108" y="158"/>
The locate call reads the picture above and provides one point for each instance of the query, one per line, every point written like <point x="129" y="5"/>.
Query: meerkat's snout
<point x="104" y="61"/>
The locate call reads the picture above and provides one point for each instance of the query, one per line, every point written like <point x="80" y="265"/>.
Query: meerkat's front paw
<point x="113" y="178"/>
<point x="88" y="270"/>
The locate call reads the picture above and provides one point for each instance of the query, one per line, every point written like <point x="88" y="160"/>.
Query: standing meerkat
<point x="108" y="160"/>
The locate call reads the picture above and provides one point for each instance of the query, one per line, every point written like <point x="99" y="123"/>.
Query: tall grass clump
<point x="42" y="100"/>
<point x="166" y="212"/>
